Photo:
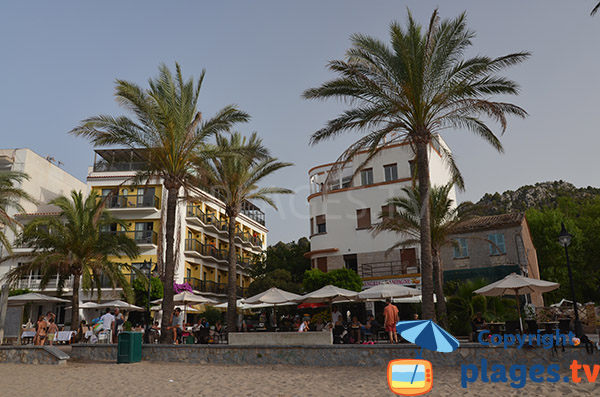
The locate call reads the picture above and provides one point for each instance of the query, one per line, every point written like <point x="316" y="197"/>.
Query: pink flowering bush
<point x="179" y="288"/>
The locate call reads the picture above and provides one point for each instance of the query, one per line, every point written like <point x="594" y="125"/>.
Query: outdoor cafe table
<point x="495" y="327"/>
<point x="548" y="325"/>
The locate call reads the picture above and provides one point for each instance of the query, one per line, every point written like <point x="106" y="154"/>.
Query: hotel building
<point x="201" y="237"/>
<point x="341" y="216"/>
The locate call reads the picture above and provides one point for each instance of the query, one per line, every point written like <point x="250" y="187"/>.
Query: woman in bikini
<point x="42" y="329"/>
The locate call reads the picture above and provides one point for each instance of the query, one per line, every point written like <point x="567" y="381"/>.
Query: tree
<point x="171" y="130"/>
<point x="414" y="89"/>
<point x="288" y="256"/>
<point x="343" y="278"/>
<point x="279" y="278"/>
<point x="10" y="197"/>
<point x="406" y="221"/>
<point x="74" y="244"/>
<point x="140" y="289"/>
<point x="234" y="171"/>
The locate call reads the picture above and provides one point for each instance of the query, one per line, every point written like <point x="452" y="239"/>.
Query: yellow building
<point x="201" y="228"/>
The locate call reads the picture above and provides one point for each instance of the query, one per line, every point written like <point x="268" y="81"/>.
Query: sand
<point x="151" y="379"/>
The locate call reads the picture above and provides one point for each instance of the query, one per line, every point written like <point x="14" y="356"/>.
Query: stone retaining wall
<point x="337" y="355"/>
<point x="31" y="355"/>
<point x="280" y="339"/>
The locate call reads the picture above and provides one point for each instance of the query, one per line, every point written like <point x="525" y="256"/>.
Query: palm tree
<point x="595" y="10"/>
<point x="172" y="132"/>
<point x="73" y="244"/>
<point x="406" y="220"/>
<point x="10" y="197"/>
<point x="234" y="171"/>
<point x="415" y="89"/>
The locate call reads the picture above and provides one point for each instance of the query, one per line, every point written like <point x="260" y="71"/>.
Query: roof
<point x="490" y="222"/>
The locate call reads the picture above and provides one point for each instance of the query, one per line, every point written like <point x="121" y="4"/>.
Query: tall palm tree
<point x="171" y="130"/>
<point x="234" y="172"/>
<point x="73" y="244"/>
<point x="406" y="220"/>
<point x="415" y="89"/>
<point x="10" y="197"/>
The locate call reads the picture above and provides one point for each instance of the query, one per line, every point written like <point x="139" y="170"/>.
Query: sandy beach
<point x="151" y="379"/>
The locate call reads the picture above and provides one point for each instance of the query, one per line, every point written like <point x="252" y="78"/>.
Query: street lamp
<point x="147" y="318"/>
<point x="564" y="238"/>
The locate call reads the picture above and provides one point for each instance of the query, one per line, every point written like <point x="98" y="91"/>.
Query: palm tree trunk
<point x="75" y="303"/>
<point x="231" y="279"/>
<point x="427" y="308"/>
<point x="167" y="303"/>
<point x="438" y="286"/>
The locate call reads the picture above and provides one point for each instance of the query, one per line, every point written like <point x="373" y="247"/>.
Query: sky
<point x="59" y="61"/>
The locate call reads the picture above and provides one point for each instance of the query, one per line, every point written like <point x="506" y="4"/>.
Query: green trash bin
<point x="189" y="340"/>
<point x="129" y="348"/>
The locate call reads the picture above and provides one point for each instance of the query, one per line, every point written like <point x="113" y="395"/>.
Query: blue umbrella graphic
<point x="428" y="335"/>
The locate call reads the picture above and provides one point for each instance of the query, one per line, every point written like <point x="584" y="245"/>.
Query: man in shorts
<point x="390" y="313"/>
<point x="176" y="324"/>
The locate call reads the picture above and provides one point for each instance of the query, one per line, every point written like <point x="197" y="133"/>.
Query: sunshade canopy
<point x="34" y="297"/>
<point x="329" y="293"/>
<point x="384" y="291"/>
<point x="121" y="305"/>
<point x="514" y="284"/>
<point x="187" y="297"/>
<point x="273" y="296"/>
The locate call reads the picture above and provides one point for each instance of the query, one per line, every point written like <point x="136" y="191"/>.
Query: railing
<point x="191" y="244"/>
<point x="105" y="166"/>
<point x="389" y="268"/>
<point x="208" y="219"/>
<point x="245" y="262"/>
<point x="32" y="282"/>
<point x="212" y="287"/>
<point x="140" y="236"/>
<point x="132" y="201"/>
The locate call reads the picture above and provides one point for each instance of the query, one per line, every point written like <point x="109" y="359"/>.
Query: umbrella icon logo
<point x="414" y="377"/>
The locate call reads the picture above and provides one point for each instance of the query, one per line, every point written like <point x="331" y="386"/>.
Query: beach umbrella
<point x="412" y="299"/>
<point x="34" y="297"/>
<point x="428" y="335"/>
<point x="329" y="294"/>
<point x="190" y="309"/>
<point x="120" y="305"/>
<point x="185" y="298"/>
<point x="514" y="284"/>
<point x="384" y="291"/>
<point x="273" y="296"/>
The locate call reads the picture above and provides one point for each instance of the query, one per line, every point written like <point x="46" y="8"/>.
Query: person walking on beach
<point x="390" y="314"/>
<point x="41" y="332"/>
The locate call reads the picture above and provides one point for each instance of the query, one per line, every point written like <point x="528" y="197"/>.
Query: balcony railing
<point x="191" y="244"/>
<point x="105" y="166"/>
<point x="212" y="287"/>
<point x="207" y="219"/>
<point x="133" y="201"/>
<point x="32" y="282"/>
<point x="389" y="268"/>
<point x="140" y="236"/>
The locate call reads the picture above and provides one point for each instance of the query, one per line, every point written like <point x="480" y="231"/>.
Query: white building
<point x="341" y="218"/>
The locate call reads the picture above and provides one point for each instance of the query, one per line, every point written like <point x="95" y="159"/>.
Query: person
<point x="390" y="314"/>
<point x="117" y="325"/>
<point x="415" y="317"/>
<point x="340" y="335"/>
<point x="304" y="327"/>
<point x="320" y="325"/>
<point x="371" y="327"/>
<point x="176" y="325"/>
<point x="40" y="334"/>
<point x="297" y="324"/>
<point x="335" y="315"/>
<point x="478" y="325"/>
<point x="107" y="323"/>
<point x="355" y="327"/>
<point x="52" y="330"/>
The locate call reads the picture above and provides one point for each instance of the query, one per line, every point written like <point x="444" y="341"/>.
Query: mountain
<point x="539" y="196"/>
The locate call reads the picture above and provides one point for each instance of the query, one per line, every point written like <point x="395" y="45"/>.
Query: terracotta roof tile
<point x="490" y="222"/>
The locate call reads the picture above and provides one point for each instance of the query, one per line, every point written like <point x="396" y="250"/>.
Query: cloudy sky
<point x="59" y="61"/>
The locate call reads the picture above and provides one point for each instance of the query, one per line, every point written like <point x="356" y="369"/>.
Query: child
<point x="52" y="330"/>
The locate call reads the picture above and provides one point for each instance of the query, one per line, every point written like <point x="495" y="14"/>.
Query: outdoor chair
<point x="513" y="327"/>
<point x="532" y="326"/>
<point x="202" y="335"/>
<point x="338" y="334"/>
<point x="564" y="325"/>
<point x="105" y="336"/>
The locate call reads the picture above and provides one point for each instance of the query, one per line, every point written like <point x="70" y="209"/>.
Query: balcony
<point x="205" y="251"/>
<point x="195" y="215"/>
<point x="32" y="282"/>
<point x="141" y="237"/>
<point x="389" y="268"/>
<point x="130" y="202"/>
<point x="212" y="287"/>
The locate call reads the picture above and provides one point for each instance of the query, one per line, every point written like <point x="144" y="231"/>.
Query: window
<point x="188" y="272"/>
<point x="390" y="172"/>
<point x="366" y="177"/>
<point x="312" y="226"/>
<point x="497" y="248"/>
<point x="321" y="224"/>
<point x="363" y="218"/>
<point x="388" y="211"/>
<point x="461" y="249"/>
<point x="412" y="164"/>
<point x="351" y="262"/>
<point x="322" y="264"/>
